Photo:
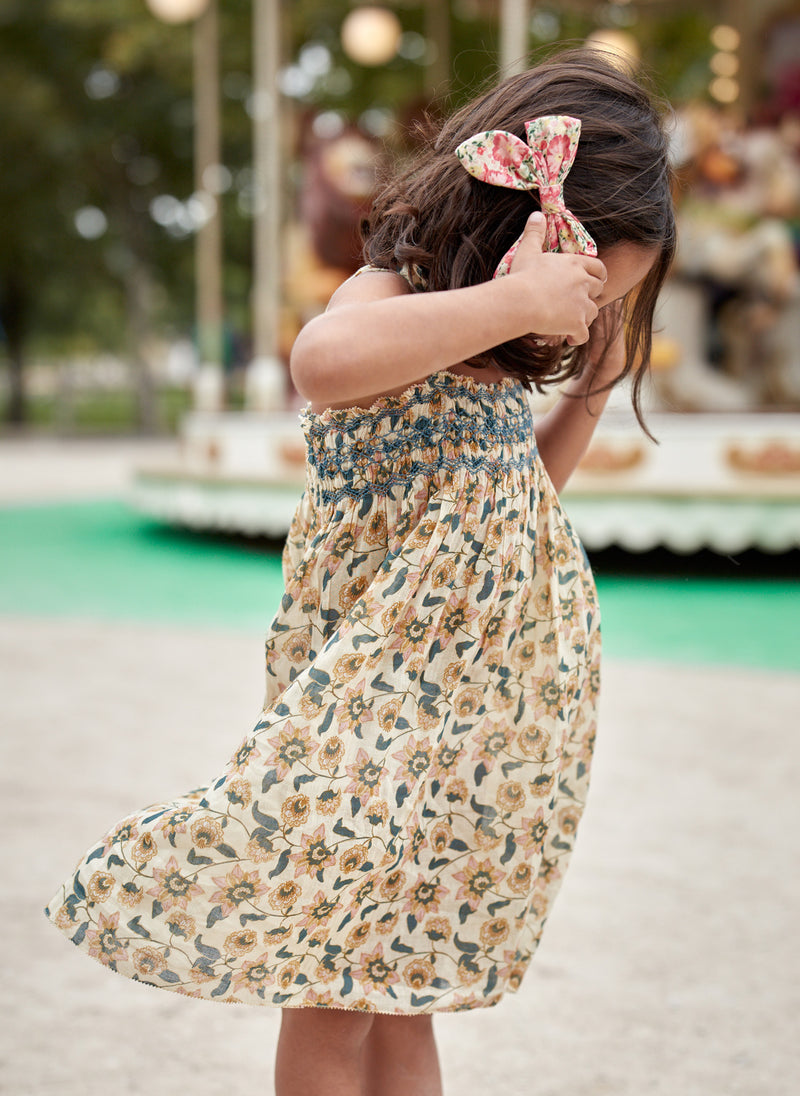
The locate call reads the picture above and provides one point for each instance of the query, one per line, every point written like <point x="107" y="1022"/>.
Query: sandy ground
<point x="670" y="965"/>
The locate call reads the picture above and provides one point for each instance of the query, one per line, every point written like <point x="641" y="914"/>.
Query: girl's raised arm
<point x="377" y="336"/>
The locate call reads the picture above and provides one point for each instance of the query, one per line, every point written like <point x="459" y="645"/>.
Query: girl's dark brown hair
<point x="455" y="229"/>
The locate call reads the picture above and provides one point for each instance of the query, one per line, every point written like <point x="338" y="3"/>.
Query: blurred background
<point x="181" y="188"/>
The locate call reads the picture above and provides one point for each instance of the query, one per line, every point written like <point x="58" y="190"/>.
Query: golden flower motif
<point x="533" y="741"/>
<point x="468" y="971"/>
<point x="419" y="973"/>
<point x="393" y="884"/>
<point x="443" y="574"/>
<point x="386" y="924"/>
<point x="288" y="973"/>
<point x="346" y="667"/>
<point x="539" y="904"/>
<point x="351" y="591"/>
<point x="376" y="811"/>
<point x="568" y="819"/>
<point x="456" y="791"/>
<point x="440" y="837"/>
<point x="510" y="796"/>
<point x="207" y="833"/>
<point x="144" y="849"/>
<point x="467" y="702"/>
<point x="181" y="924"/>
<point x="65" y="917"/>
<point x="260" y="848"/>
<point x="357" y="936"/>
<point x="494" y="932"/>
<point x="239" y="792"/>
<point x="326" y="970"/>
<point x="331" y="753"/>
<point x="295" y="810"/>
<point x="148" y="961"/>
<point x="520" y="880"/>
<point x="100" y="886"/>
<point x="201" y="975"/>
<point x="328" y="802"/>
<point x="352" y="858"/>
<point x="129" y="895"/>
<point x="453" y="672"/>
<point x="375" y="531"/>
<point x="311" y="705"/>
<point x="284" y="896"/>
<point x="485" y="837"/>
<point x="388" y="713"/>
<point x="542" y="786"/>
<point x="438" y="928"/>
<point x="428" y="715"/>
<point x="297" y="647"/>
<point x="389" y="617"/>
<point x="239" y="943"/>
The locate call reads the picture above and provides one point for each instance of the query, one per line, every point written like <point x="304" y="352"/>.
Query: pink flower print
<point x="237" y="887"/>
<point x="365" y="776"/>
<point x="373" y="972"/>
<point x="314" y="854"/>
<point x="103" y="942"/>
<point x="255" y="975"/>
<point x="478" y="877"/>
<point x="173" y="888"/>
<point x="292" y="746"/>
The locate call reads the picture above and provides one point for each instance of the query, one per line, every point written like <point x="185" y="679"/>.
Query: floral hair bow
<point x="542" y="164"/>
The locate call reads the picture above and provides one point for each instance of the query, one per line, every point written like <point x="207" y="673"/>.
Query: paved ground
<point x="670" y="964"/>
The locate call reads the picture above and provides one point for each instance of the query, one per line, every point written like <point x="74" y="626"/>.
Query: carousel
<point x="725" y="386"/>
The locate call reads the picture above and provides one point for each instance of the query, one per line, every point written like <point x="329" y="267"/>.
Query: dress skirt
<point x="392" y="833"/>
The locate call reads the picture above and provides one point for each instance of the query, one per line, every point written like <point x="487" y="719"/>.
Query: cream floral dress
<point x="392" y="833"/>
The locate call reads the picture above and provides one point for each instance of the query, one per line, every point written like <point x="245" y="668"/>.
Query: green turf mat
<point x="101" y="559"/>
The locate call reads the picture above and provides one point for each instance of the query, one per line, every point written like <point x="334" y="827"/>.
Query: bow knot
<point x="501" y="159"/>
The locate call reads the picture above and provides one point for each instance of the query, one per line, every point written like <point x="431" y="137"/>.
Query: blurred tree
<point x="97" y="173"/>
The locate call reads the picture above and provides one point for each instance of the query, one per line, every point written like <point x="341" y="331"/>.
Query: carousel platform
<point x="725" y="482"/>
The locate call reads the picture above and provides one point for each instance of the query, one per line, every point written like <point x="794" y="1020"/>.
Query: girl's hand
<point x="563" y="287"/>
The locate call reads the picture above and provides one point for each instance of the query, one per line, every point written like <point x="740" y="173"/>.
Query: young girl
<point x="389" y="839"/>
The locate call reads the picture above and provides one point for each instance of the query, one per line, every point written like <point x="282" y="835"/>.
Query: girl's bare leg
<point x="321" y="1052"/>
<point x="400" y="1057"/>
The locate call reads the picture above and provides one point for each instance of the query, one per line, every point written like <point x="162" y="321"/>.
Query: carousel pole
<point x="209" y="392"/>
<point x="437" y="30"/>
<point x="514" y="20"/>
<point x="265" y="382"/>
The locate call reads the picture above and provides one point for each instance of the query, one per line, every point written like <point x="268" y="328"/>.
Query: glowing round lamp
<point x="371" y="35"/>
<point x="620" y="45"/>
<point x="177" y="11"/>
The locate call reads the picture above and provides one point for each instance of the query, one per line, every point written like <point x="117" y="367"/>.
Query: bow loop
<point x="502" y="159"/>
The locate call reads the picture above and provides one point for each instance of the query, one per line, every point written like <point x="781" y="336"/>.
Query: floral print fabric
<point x="392" y="833"/>
<point x="501" y="159"/>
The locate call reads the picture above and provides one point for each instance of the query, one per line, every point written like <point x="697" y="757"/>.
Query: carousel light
<point x="371" y="35"/>
<point x="177" y="11"/>
<point x="725" y="38"/>
<point x="724" y="90"/>
<point x="619" y="44"/>
<point x="724" y="64"/>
